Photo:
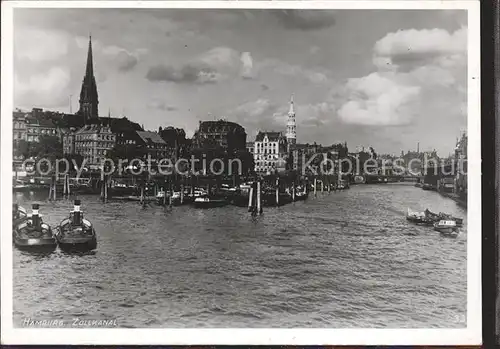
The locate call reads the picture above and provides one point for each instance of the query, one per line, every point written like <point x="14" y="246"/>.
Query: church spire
<point x="89" y="71"/>
<point x="292" y="109"/>
<point x="291" y="131"/>
<point x="88" y="95"/>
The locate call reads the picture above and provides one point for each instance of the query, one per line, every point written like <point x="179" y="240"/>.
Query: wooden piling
<point x="277" y="192"/>
<point x="315" y="187"/>
<point x="293" y="191"/>
<point x="182" y="194"/>
<point x="259" y="202"/>
<point x="69" y="187"/>
<point x="250" y="199"/>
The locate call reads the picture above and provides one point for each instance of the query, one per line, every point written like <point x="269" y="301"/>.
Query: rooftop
<point x="272" y="136"/>
<point x="148" y="137"/>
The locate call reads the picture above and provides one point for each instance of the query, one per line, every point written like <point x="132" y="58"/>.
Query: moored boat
<point x="32" y="234"/>
<point x="76" y="233"/>
<point x="447" y="228"/>
<point x="209" y="202"/>
<point x="443" y="216"/>
<point x="418" y="218"/>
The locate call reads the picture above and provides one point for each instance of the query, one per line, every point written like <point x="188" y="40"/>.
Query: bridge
<point x="381" y="179"/>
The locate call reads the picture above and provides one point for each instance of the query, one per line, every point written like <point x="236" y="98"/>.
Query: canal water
<point x="345" y="259"/>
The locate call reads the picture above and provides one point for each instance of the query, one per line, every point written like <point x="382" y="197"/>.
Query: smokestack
<point x="76" y="213"/>
<point x="418" y="147"/>
<point x="34" y="215"/>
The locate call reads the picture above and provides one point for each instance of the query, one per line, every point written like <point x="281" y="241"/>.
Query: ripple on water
<point x="347" y="259"/>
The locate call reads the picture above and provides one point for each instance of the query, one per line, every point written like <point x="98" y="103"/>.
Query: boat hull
<point x="45" y="244"/>
<point x="77" y="244"/>
<point x="210" y="204"/>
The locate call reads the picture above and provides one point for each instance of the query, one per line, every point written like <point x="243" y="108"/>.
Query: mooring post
<point x="315" y="186"/>
<point x="250" y="199"/>
<point x="69" y="187"/>
<point x="259" y="202"/>
<point x="55" y="188"/>
<point x="277" y="191"/>
<point x="293" y="191"/>
<point x="182" y="194"/>
<point x="106" y="183"/>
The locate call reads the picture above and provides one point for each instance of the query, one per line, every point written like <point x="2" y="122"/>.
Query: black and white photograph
<point x="253" y="166"/>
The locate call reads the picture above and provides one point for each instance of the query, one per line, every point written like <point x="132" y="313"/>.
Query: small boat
<point x="76" y="233"/>
<point x="32" y="234"/>
<point x="20" y="186"/>
<point x="301" y="194"/>
<point x="443" y="216"/>
<point x="418" y="217"/>
<point x="447" y="228"/>
<point x="209" y="202"/>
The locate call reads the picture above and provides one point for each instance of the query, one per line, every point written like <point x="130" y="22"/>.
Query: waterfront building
<point x="37" y="127"/>
<point x="93" y="142"/>
<point x="461" y="161"/>
<point x="291" y="128"/>
<point x="300" y="153"/>
<point x="270" y="151"/>
<point x="151" y="144"/>
<point x="19" y="130"/>
<point x="250" y="147"/>
<point x="227" y="135"/>
<point x="89" y="101"/>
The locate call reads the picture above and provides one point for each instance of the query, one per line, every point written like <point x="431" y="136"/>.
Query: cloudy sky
<point x="386" y="79"/>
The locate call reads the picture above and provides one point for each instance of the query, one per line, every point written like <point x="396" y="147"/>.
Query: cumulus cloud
<point x="210" y="67"/>
<point x="305" y="19"/>
<point x="185" y="74"/>
<point x="406" y="49"/>
<point x="39" y="45"/>
<point x="378" y="100"/>
<point x="247" y="62"/>
<point x="409" y="62"/>
<point x="121" y="58"/>
<point x="45" y="90"/>
<point x="161" y="105"/>
<point x="292" y="70"/>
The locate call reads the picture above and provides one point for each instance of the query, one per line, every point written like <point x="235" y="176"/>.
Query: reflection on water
<point x="345" y="259"/>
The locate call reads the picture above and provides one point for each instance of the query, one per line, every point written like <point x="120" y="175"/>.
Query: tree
<point x="48" y="147"/>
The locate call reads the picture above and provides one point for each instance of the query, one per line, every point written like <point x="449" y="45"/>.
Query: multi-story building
<point x="36" y="127"/>
<point x="94" y="142"/>
<point x="225" y="134"/>
<point x="461" y="161"/>
<point x="250" y="147"/>
<point x="151" y="144"/>
<point x="270" y="151"/>
<point x="19" y="130"/>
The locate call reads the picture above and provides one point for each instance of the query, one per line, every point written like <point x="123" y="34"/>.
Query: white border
<point x="469" y="336"/>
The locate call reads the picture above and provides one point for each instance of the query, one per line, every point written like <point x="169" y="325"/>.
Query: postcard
<point x="241" y="172"/>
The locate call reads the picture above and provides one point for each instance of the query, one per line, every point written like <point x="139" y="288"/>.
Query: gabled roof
<point x="272" y="136"/>
<point x="148" y="137"/>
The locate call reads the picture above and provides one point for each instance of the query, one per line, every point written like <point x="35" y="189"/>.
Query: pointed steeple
<point x="88" y="95"/>
<point x="291" y="132"/>
<point x="90" y="66"/>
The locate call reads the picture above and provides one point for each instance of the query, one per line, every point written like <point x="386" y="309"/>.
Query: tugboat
<point x="32" y="234"/>
<point x="76" y="233"/>
<point x="206" y="201"/>
<point x="447" y="228"/>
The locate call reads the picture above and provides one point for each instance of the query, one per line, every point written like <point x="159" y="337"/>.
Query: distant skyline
<point x="382" y="78"/>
